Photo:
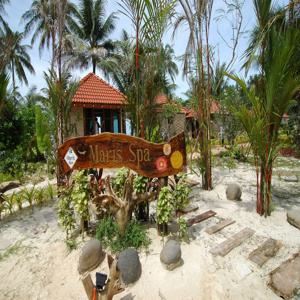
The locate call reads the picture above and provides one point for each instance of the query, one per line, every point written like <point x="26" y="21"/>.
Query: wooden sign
<point x="114" y="150"/>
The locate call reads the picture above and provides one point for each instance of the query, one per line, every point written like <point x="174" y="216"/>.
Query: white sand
<point x="43" y="268"/>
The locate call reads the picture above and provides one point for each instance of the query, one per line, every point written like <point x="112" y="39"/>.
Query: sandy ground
<point x="42" y="267"/>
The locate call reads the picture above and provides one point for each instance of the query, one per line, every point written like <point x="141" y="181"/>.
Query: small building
<point x="97" y="107"/>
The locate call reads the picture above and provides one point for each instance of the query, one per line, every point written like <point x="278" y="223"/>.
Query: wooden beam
<point x="285" y="280"/>
<point x="201" y="217"/>
<point x="215" y="228"/>
<point x="264" y="252"/>
<point x="232" y="242"/>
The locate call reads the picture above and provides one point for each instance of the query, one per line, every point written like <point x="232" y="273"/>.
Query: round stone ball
<point x="233" y="192"/>
<point x="91" y="256"/>
<point x="129" y="266"/>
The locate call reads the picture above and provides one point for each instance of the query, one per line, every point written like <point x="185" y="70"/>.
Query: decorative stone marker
<point x="233" y="192"/>
<point x="293" y="217"/>
<point x="129" y="266"/>
<point x="91" y="256"/>
<point x="170" y="256"/>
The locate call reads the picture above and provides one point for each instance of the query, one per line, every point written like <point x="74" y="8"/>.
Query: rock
<point x="9" y="185"/>
<point x="292" y="178"/>
<point x="233" y="192"/>
<point x="170" y="256"/>
<point x="129" y="266"/>
<point x="91" y="256"/>
<point x="293" y="217"/>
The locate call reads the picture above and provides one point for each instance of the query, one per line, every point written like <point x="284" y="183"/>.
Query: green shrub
<point x="29" y="195"/>
<point x="119" y="181"/>
<point x="135" y="235"/>
<point x="65" y="211"/>
<point x="181" y="196"/>
<point x="164" y="206"/>
<point x="182" y="229"/>
<point x="140" y="184"/>
<point x="80" y="196"/>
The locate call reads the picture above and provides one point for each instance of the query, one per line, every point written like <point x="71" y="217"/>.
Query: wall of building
<point x="77" y="122"/>
<point x="177" y="126"/>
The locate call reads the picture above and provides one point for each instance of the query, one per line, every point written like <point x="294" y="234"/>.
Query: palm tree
<point x="2" y="11"/>
<point x="14" y="55"/>
<point x="197" y="65"/>
<point x="41" y="18"/>
<point x="92" y="31"/>
<point x="50" y="21"/>
<point x="4" y="81"/>
<point x="262" y="121"/>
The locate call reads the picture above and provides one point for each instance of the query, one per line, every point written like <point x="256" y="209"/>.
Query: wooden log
<point x="232" y="242"/>
<point x="88" y="285"/>
<point x="285" y="280"/>
<point x="264" y="252"/>
<point x="215" y="228"/>
<point x="201" y="217"/>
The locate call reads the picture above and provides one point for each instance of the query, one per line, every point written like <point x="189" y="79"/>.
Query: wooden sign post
<point x="114" y="150"/>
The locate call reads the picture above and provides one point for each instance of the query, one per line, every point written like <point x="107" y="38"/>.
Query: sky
<point x="220" y="36"/>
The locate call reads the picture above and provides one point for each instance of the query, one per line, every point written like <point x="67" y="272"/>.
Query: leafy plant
<point x="135" y="235"/>
<point x="39" y="196"/>
<point x="181" y="196"/>
<point x="182" y="229"/>
<point x="50" y="192"/>
<point x="80" y="196"/>
<point x="65" y="210"/>
<point x="19" y="200"/>
<point x="9" y="202"/>
<point x="140" y="184"/>
<point x="164" y="206"/>
<point x="119" y="181"/>
<point x="71" y="244"/>
<point x="29" y="194"/>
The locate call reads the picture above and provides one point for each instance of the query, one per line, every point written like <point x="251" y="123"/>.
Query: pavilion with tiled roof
<point x="97" y="107"/>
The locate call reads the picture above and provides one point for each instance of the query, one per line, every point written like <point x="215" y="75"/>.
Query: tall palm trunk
<point x="94" y="64"/>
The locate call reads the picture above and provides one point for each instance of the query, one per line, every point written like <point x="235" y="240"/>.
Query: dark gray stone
<point x="293" y="217"/>
<point x="9" y="185"/>
<point x="233" y="192"/>
<point x="129" y="266"/>
<point x="170" y="255"/>
<point x="91" y="256"/>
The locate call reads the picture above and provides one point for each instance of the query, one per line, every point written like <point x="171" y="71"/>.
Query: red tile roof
<point x="161" y="99"/>
<point x="214" y="108"/>
<point x="94" y="91"/>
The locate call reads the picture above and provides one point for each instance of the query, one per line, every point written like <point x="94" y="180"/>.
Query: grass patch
<point x="12" y="250"/>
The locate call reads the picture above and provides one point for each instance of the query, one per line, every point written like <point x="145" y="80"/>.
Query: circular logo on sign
<point x="161" y="164"/>
<point x="176" y="160"/>
<point x="167" y="149"/>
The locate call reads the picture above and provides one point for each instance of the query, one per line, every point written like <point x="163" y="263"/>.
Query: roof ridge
<point x="102" y="80"/>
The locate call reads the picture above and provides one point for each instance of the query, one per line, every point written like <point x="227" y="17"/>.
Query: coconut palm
<point x="2" y="11"/>
<point x="50" y="21"/>
<point x="92" y="31"/>
<point x="14" y="55"/>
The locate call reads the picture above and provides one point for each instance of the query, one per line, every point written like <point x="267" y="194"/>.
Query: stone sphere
<point x="233" y="192"/>
<point x="171" y="254"/>
<point x="91" y="256"/>
<point x="129" y="266"/>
